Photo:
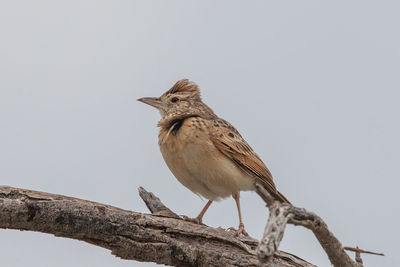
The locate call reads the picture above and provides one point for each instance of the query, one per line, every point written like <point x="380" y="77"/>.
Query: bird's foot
<point x="196" y="220"/>
<point x="239" y="231"/>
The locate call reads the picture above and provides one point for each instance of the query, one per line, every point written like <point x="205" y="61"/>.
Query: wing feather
<point x="229" y="141"/>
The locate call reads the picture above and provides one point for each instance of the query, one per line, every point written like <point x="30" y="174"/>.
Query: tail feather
<point x="274" y="192"/>
<point x="278" y="195"/>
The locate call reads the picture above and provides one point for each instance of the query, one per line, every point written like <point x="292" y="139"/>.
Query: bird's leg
<point x="199" y="218"/>
<point x="240" y="230"/>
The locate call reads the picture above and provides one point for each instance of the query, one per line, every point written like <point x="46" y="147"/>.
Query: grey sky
<point x="313" y="86"/>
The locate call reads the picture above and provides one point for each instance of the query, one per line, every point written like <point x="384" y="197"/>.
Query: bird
<point x="205" y="152"/>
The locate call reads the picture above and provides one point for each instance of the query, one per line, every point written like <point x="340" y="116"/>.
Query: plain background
<point x="313" y="86"/>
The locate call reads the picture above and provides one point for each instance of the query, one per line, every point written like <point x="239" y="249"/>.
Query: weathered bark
<point x="273" y="232"/>
<point x="161" y="237"/>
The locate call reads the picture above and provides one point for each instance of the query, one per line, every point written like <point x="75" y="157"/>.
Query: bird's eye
<point x="174" y="99"/>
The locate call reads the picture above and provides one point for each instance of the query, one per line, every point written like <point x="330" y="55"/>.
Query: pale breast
<point x="198" y="164"/>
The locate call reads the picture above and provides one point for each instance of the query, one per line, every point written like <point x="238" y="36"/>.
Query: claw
<point x="239" y="231"/>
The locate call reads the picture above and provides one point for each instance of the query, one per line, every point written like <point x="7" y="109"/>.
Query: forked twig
<point x="283" y="213"/>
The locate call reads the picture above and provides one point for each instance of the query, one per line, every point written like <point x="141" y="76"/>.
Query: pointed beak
<point x="152" y="101"/>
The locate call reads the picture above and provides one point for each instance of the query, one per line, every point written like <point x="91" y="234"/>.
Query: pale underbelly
<point x="203" y="169"/>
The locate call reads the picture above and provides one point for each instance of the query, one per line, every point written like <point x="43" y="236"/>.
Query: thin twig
<point x="363" y="251"/>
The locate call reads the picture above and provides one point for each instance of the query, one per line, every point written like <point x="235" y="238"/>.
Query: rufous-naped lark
<point x="204" y="152"/>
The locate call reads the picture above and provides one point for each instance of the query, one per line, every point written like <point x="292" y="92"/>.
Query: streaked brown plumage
<point x="204" y="152"/>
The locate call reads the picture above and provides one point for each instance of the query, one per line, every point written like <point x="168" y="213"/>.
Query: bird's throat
<point x="174" y="122"/>
<point x="176" y="125"/>
<point x="171" y="126"/>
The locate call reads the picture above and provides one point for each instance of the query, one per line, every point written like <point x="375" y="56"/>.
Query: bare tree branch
<point x="282" y="213"/>
<point x="162" y="237"/>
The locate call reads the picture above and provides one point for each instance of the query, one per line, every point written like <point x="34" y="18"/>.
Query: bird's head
<point x="182" y="100"/>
